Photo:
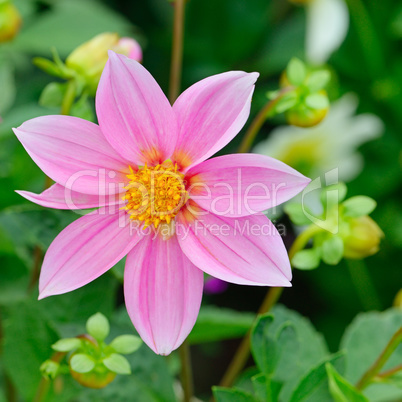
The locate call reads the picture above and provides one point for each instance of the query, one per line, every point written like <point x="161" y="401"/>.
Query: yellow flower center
<point x="155" y="194"/>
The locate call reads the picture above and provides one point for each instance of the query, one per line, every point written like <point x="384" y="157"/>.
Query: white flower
<point x="329" y="145"/>
<point x="327" y="26"/>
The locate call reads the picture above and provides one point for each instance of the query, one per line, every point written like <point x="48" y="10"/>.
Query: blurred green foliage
<point x="221" y="35"/>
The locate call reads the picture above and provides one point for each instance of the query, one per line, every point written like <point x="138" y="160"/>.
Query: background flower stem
<point x="382" y="359"/>
<point x="186" y="371"/>
<point x="177" y="50"/>
<point x="243" y="352"/>
<point x="258" y="121"/>
<point x="69" y="98"/>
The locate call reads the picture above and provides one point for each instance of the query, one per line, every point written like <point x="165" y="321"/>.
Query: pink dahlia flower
<point x="172" y="212"/>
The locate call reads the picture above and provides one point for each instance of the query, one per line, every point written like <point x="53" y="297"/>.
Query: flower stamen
<point x="155" y="194"/>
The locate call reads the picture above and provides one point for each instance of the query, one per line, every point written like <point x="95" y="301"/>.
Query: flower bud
<point x="89" y="59"/>
<point x="130" y="48"/>
<point x="303" y="116"/>
<point x="93" y="379"/>
<point x="362" y="238"/>
<point x="10" y="21"/>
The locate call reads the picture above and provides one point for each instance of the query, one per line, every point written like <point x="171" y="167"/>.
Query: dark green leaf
<point x="214" y="324"/>
<point x="314" y="385"/>
<point x="232" y="395"/>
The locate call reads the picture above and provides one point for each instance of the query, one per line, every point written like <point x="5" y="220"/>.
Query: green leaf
<point x="317" y="101"/>
<point x="358" y="206"/>
<point x="314" y="385"/>
<point x="341" y="390"/>
<point x="286" y="102"/>
<point x="332" y="250"/>
<point x="126" y="344"/>
<point x="67" y="344"/>
<point x="307" y="259"/>
<point x="301" y="348"/>
<point x="318" y="80"/>
<point x="265" y="388"/>
<point x="364" y="340"/>
<point x="117" y="363"/>
<point x="272" y="94"/>
<point x="296" y="71"/>
<point x="81" y="363"/>
<point x="215" y="324"/>
<point x="98" y="326"/>
<point x="52" y="95"/>
<point x="49" y="67"/>
<point x="232" y="395"/>
<point x="296" y="212"/>
<point x="263" y="345"/>
<point x="82" y="109"/>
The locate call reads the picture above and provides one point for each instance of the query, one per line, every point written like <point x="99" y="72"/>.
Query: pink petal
<point x="243" y="184"/>
<point x="163" y="291"/>
<point x="247" y="250"/>
<point x="60" y="197"/>
<point x="85" y="250"/>
<point x="210" y="113"/>
<point x="134" y="113"/>
<point x="74" y="153"/>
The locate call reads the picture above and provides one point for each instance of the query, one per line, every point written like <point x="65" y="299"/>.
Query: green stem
<point x="258" y="121"/>
<point x="186" y="371"/>
<point x="274" y="293"/>
<point x="363" y="284"/>
<point x="69" y="98"/>
<point x="177" y="50"/>
<point x="372" y="372"/>
<point x="388" y="373"/>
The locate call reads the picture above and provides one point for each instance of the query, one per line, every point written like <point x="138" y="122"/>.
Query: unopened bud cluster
<point x="343" y="230"/>
<point x="90" y="361"/>
<point x="82" y="70"/>
<point x="302" y="96"/>
<point x="10" y="21"/>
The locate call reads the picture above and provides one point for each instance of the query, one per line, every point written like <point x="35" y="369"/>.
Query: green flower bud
<point x="310" y="103"/>
<point x="94" y="379"/>
<point x="89" y="59"/>
<point x="361" y="238"/>
<point x="10" y="21"/>
<point x="304" y="116"/>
